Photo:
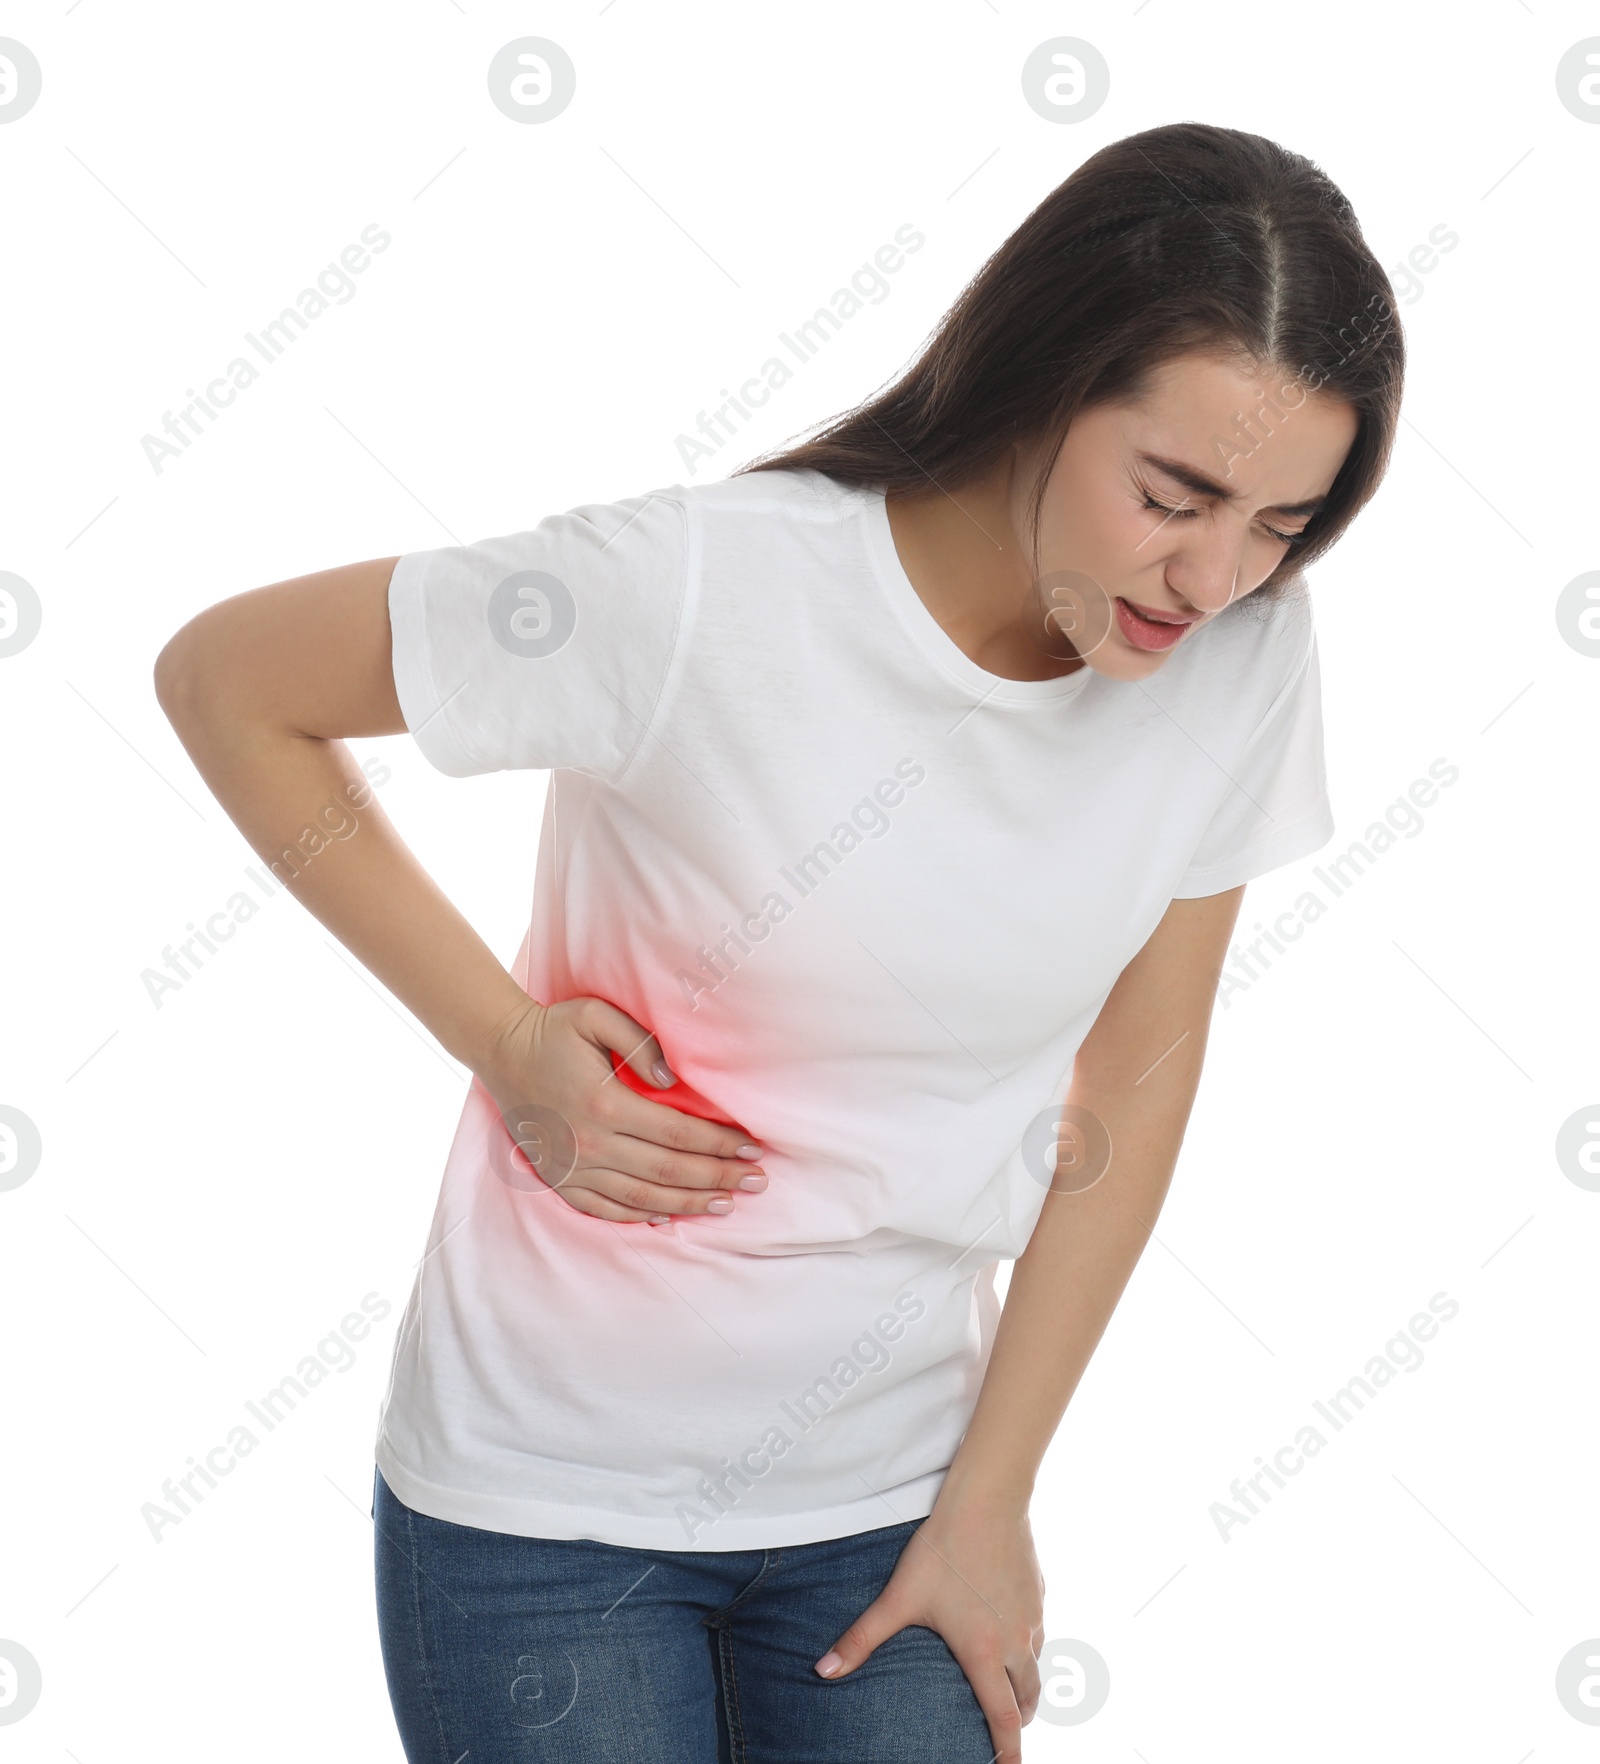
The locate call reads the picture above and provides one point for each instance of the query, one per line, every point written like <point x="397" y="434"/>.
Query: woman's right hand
<point x="603" y="1148"/>
<point x="263" y="689"/>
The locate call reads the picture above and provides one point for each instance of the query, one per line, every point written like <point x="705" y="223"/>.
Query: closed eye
<point x="1185" y="510"/>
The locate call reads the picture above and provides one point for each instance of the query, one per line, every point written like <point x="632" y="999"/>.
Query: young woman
<point x="904" y="787"/>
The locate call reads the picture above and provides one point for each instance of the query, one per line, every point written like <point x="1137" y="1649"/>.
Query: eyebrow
<point x="1203" y="485"/>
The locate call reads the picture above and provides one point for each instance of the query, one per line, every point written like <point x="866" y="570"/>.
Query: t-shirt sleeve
<point x="544" y="648"/>
<point x="1276" y="808"/>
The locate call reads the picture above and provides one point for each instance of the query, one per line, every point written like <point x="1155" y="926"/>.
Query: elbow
<point x="171" y="675"/>
<point x="178" y="672"/>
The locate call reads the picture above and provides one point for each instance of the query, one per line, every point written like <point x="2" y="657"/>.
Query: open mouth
<point x="1148" y="632"/>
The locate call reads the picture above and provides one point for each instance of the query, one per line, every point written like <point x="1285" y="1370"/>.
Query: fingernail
<point x="659" y="1071"/>
<point x="720" y="1205"/>
<point x="748" y="1151"/>
<point x="829" y="1664"/>
<point x="660" y="1219"/>
<point x="754" y="1182"/>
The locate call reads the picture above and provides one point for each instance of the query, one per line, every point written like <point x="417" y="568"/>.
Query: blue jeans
<point x="511" y="1650"/>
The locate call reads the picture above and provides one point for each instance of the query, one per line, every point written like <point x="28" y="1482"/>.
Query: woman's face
<point x="1177" y="505"/>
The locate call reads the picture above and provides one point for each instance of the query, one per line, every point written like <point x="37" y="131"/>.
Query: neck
<point x="964" y="553"/>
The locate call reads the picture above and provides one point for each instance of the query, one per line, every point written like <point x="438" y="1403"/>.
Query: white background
<point x="224" y="1177"/>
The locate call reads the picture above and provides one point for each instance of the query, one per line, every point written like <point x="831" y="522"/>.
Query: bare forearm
<point x="304" y="806"/>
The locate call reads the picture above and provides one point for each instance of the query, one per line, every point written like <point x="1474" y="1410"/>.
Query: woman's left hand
<point x="970" y="1574"/>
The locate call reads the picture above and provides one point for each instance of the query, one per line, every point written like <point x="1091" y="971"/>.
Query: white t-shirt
<point x="870" y="897"/>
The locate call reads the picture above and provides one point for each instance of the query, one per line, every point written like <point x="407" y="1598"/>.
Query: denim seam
<point x="771" y="1561"/>
<point x="737" y="1752"/>
<point x="422" y="1652"/>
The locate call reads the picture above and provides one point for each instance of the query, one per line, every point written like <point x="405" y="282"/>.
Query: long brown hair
<point x="1182" y="238"/>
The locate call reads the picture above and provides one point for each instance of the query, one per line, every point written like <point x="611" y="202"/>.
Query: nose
<point x="1205" y="570"/>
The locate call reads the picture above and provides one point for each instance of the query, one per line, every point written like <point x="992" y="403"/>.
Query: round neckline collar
<point x="935" y="643"/>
